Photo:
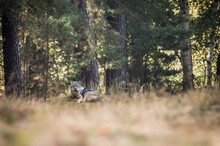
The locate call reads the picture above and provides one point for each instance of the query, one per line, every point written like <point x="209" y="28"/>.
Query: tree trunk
<point x="110" y="78"/>
<point x="218" y="70"/>
<point x="212" y="44"/>
<point x="12" y="64"/>
<point x="122" y="45"/>
<point x="26" y="66"/>
<point x="211" y="56"/>
<point x="186" y="54"/>
<point x="94" y="77"/>
<point x="118" y="77"/>
<point x="94" y="73"/>
<point x="46" y="73"/>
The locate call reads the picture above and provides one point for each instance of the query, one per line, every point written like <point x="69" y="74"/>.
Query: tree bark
<point x="26" y="66"/>
<point x="94" y="73"/>
<point x="122" y="45"/>
<point x="94" y="77"/>
<point x="211" y="57"/>
<point x="218" y="70"/>
<point x="118" y="77"/>
<point x="12" y="64"/>
<point x="186" y="54"/>
<point x="110" y="78"/>
<point x="46" y="71"/>
<point x="212" y="44"/>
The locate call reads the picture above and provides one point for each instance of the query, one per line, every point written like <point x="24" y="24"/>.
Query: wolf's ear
<point x="71" y="82"/>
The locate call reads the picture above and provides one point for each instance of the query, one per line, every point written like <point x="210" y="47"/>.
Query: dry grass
<point x="191" y="119"/>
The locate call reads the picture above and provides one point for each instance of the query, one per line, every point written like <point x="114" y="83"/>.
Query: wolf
<point x="82" y="94"/>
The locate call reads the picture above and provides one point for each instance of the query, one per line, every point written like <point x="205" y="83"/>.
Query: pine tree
<point x="11" y="54"/>
<point x="93" y="76"/>
<point x="118" y="76"/>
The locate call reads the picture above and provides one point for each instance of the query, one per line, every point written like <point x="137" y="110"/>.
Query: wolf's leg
<point x="84" y="99"/>
<point x="80" y="99"/>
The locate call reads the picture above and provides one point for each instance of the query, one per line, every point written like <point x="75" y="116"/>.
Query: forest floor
<point x="192" y="119"/>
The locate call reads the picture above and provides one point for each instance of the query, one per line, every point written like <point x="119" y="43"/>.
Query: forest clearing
<point x="169" y="49"/>
<point x="191" y="119"/>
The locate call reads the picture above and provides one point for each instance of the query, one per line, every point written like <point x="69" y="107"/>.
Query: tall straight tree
<point x="93" y="68"/>
<point x="218" y="70"/>
<point x="122" y="43"/>
<point x="118" y="22"/>
<point x="12" y="65"/>
<point x="214" y="19"/>
<point x="186" y="53"/>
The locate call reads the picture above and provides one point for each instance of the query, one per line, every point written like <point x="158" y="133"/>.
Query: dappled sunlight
<point x="105" y="73"/>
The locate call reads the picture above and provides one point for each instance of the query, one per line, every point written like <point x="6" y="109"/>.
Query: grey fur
<point x="77" y="90"/>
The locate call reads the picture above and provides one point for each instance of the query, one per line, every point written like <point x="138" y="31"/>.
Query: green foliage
<point x="54" y="35"/>
<point x="153" y="33"/>
<point x="11" y="5"/>
<point x="204" y="20"/>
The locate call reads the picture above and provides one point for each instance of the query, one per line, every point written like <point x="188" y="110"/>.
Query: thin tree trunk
<point x="24" y="78"/>
<point x="25" y="65"/>
<point x="122" y="45"/>
<point x="218" y="70"/>
<point x="186" y="54"/>
<point x="211" y="57"/>
<point x="212" y="44"/>
<point x="12" y="64"/>
<point x="47" y="64"/>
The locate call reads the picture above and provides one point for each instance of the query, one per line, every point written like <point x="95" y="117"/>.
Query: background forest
<point x="168" y="48"/>
<point x="111" y="45"/>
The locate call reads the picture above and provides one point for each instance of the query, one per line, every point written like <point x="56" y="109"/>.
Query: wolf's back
<point x="91" y="96"/>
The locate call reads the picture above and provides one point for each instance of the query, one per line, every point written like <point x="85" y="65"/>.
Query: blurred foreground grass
<point x="191" y="119"/>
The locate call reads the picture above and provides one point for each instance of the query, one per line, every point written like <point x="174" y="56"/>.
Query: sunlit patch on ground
<point x="181" y="120"/>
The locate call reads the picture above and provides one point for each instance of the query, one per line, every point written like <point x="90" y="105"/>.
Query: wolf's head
<point x="75" y="86"/>
<point x="76" y="89"/>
